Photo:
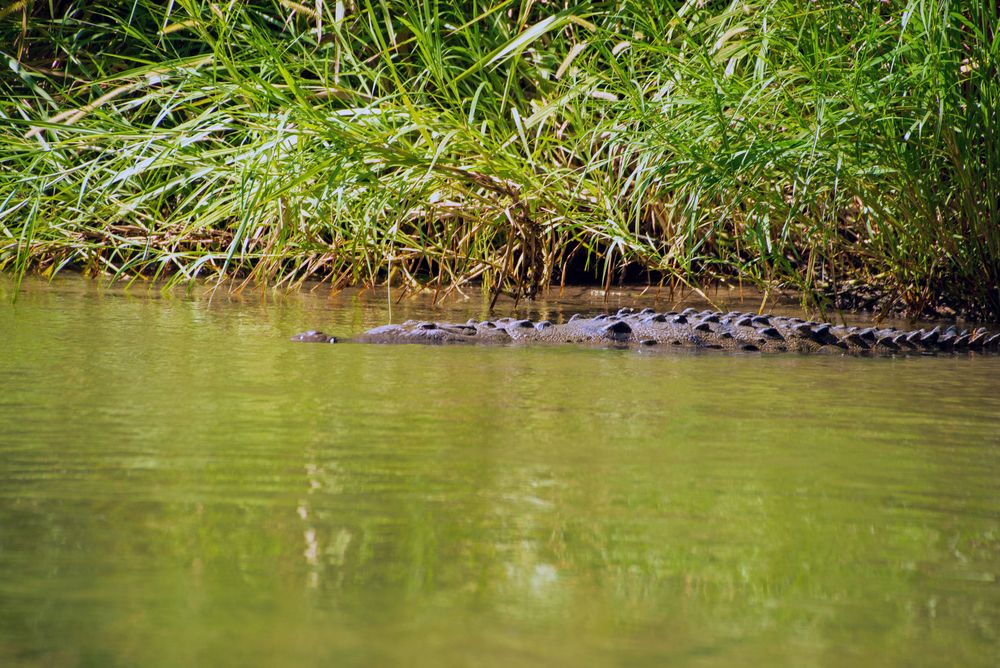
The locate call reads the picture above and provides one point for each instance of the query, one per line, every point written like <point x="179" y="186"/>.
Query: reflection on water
<point x="181" y="485"/>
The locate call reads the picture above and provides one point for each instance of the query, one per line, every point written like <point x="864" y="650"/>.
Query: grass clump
<point x="822" y="146"/>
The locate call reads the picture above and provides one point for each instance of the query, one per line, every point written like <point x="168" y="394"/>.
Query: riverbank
<point x="556" y="304"/>
<point x="845" y="153"/>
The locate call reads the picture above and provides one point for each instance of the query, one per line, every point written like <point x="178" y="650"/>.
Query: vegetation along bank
<point x="847" y="150"/>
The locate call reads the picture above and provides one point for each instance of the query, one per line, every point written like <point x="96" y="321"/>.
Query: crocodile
<point x="689" y="328"/>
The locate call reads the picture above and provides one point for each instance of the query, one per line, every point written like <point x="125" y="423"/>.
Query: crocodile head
<point x="313" y="336"/>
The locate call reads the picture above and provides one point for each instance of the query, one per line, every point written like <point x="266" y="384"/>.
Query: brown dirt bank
<point x="858" y="304"/>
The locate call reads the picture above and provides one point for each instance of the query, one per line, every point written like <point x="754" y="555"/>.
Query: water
<point x="180" y="485"/>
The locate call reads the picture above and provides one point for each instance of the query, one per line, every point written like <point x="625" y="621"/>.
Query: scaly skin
<point x="689" y="328"/>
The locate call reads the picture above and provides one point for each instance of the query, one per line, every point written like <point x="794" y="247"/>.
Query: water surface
<point x="181" y="485"/>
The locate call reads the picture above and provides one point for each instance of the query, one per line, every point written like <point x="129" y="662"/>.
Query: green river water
<point x="180" y="485"/>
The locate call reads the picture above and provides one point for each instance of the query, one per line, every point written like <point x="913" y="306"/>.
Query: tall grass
<point x="822" y="146"/>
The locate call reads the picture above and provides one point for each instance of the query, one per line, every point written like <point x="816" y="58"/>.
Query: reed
<point x="835" y="148"/>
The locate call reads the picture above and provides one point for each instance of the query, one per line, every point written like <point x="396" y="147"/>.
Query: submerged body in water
<point x="689" y="328"/>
